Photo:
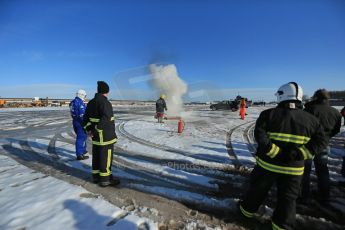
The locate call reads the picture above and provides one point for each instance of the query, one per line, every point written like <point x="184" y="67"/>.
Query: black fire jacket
<point x="329" y="117"/>
<point x="160" y="105"/>
<point x="286" y="137"/>
<point x="99" y="119"/>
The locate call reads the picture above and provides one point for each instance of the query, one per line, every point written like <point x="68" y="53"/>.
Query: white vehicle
<point x="55" y="104"/>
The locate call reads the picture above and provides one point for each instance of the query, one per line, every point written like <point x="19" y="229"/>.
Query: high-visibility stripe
<point x="105" y="174"/>
<point x="105" y="142"/>
<point x="306" y="153"/>
<point x="109" y="161"/>
<point x="245" y="213"/>
<point x="96" y="120"/>
<point x="276" y="227"/>
<point x="107" y="168"/>
<point x="87" y="125"/>
<point x="92" y="119"/>
<point x="95" y="171"/>
<point x="100" y="134"/>
<point x="274" y="151"/>
<point x="289" y="138"/>
<point x="297" y="171"/>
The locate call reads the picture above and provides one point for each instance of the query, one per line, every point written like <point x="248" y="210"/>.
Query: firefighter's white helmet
<point x="289" y="91"/>
<point x="81" y="94"/>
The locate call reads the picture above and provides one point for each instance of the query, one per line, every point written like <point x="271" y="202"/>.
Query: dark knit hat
<point x="102" y="87"/>
<point x="321" y="94"/>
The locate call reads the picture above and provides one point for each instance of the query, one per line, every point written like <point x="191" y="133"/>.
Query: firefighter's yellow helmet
<point x="163" y="96"/>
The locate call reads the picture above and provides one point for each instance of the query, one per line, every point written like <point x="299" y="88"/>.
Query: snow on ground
<point x="33" y="109"/>
<point x="183" y="167"/>
<point x="66" y="155"/>
<point x="191" y="142"/>
<point x="32" y="200"/>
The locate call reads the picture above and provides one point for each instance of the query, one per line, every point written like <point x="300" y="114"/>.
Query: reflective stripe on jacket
<point x="99" y="119"/>
<point x="286" y="137"/>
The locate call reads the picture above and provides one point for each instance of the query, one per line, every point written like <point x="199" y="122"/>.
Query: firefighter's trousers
<point x="322" y="173"/>
<point x="102" y="158"/>
<point x="288" y="188"/>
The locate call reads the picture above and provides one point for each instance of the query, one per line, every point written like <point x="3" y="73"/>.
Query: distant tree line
<point x="337" y="94"/>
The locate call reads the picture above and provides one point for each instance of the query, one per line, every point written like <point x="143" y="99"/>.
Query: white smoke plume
<point x="166" y="81"/>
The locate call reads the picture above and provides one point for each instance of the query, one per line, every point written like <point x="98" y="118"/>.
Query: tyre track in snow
<point x="239" y="163"/>
<point x="124" y="162"/>
<point x="229" y="175"/>
<point x="198" y="169"/>
<point x="28" y="155"/>
<point x="168" y="181"/>
<point x="54" y="156"/>
<point x="217" y="173"/>
<point x="24" y="154"/>
<point x="32" y="157"/>
<point x="23" y="150"/>
<point x="131" y="137"/>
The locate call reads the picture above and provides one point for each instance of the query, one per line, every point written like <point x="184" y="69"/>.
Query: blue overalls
<point x="77" y="108"/>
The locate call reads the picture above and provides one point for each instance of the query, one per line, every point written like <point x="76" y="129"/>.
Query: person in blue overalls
<point x="77" y="108"/>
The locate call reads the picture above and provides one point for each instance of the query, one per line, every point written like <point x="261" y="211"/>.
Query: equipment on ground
<point x="225" y="105"/>
<point x="39" y="102"/>
<point x="2" y="103"/>
<point x="55" y="104"/>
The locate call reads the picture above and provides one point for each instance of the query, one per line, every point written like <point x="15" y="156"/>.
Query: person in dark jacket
<point x="286" y="137"/>
<point x="77" y="110"/>
<point x="343" y="166"/>
<point x="160" y="108"/>
<point x="330" y="120"/>
<point x="343" y="113"/>
<point x="99" y="122"/>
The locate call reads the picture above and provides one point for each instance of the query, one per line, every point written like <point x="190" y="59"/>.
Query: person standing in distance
<point x="243" y="108"/>
<point x="160" y="107"/>
<point x="77" y="109"/>
<point x="286" y="137"/>
<point x="99" y="122"/>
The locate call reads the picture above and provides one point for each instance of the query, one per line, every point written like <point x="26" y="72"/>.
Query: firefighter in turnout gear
<point x="160" y="108"/>
<point x="77" y="109"/>
<point x="99" y="122"/>
<point x="286" y="137"/>
<point x="330" y="120"/>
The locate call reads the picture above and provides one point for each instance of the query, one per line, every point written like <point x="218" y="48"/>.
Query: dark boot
<point x="82" y="157"/>
<point x="113" y="181"/>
